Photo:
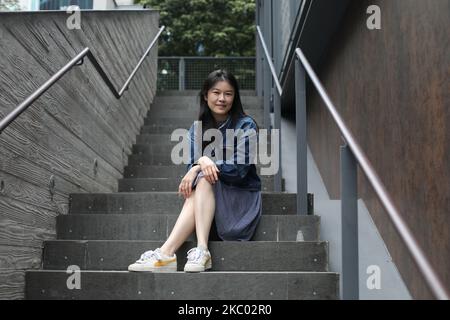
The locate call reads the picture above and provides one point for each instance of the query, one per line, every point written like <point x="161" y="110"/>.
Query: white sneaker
<point x="155" y="261"/>
<point x="199" y="260"/>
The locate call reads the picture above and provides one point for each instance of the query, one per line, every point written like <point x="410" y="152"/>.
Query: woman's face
<point x="220" y="99"/>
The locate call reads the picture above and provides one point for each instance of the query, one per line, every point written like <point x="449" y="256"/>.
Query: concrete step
<point x="226" y="255"/>
<point x="160" y="127"/>
<point x="171" y="184"/>
<point x="175" y="93"/>
<point x="180" y="122"/>
<point x="163" y="139"/>
<point x="155" y="171"/>
<point x="185" y="118"/>
<point x="157" y="159"/>
<point x="274" y="203"/>
<point x="174" y="108"/>
<point x="155" y="139"/>
<point x="167" y="128"/>
<point x="194" y="93"/>
<point x="158" y="227"/>
<point x="162" y="171"/>
<point x="162" y="148"/>
<point x="118" y="285"/>
<point x="191" y="100"/>
<point x="187" y="107"/>
<point x="165" y="159"/>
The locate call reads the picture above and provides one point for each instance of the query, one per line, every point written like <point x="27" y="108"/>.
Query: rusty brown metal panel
<point x="392" y="88"/>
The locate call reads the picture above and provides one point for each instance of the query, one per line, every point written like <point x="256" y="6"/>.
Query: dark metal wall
<point x="392" y="88"/>
<point x="69" y="129"/>
<point x="276" y="19"/>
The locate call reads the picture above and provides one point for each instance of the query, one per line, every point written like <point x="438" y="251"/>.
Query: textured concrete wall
<point x="78" y="123"/>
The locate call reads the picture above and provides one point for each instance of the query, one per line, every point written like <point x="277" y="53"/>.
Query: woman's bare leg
<point x="183" y="228"/>
<point x="197" y="214"/>
<point x="204" y="207"/>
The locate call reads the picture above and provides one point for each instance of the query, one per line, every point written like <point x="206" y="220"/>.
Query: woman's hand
<point x="209" y="169"/>
<point x="185" y="187"/>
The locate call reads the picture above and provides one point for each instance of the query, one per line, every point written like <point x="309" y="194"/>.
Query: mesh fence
<point x="188" y="73"/>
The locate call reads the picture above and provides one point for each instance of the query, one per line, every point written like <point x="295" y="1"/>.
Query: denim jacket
<point x="233" y="172"/>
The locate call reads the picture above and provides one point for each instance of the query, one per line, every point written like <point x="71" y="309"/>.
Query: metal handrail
<point x="269" y="61"/>
<point x="424" y="266"/>
<point x="76" y="61"/>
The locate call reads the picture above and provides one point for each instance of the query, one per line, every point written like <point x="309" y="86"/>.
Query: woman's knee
<point x="203" y="184"/>
<point x="190" y="199"/>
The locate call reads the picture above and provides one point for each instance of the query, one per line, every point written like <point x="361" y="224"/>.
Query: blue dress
<point x="238" y="211"/>
<point x="237" y="192"/>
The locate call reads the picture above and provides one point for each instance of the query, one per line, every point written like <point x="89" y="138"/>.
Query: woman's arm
<point x="194" y="152"/>
<point x="236" y="171"/>
<point x="185" y="187"/>
<point x="209" y="169"/>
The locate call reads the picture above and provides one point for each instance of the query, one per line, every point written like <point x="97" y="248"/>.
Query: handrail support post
<point x="266" y="96"/>
<point x="80" y="62"/>
<point x="349" y="225"/>
<point x="277" y="126"/>
<point x="181" y="74"/>
<point x="300" y="128"/>
<point x="259" y="67"/>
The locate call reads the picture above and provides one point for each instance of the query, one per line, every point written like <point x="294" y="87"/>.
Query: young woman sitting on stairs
<point x="228" y="192"/>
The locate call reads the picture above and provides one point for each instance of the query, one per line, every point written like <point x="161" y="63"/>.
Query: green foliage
<point x="206" y="27"/>
<point x="9" y="5"/>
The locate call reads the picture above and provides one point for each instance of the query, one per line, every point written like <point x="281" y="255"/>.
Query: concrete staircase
<point x="104" y="233"/>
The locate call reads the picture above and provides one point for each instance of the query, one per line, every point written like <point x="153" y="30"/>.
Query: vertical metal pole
<point x="259" y="70"/>
<point x="267" y="93"/>
<point x="181" y="74"/>
<point x="277" y="125"/>
<point x="267" y="34"/>
<point x="276" y="30"/>
<point x="349" y="216"/>
<point x="300" y="127"/>
<point x="259" y="73"/>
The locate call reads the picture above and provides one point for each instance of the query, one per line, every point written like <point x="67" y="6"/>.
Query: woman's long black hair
<point x="205" y="114"/>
